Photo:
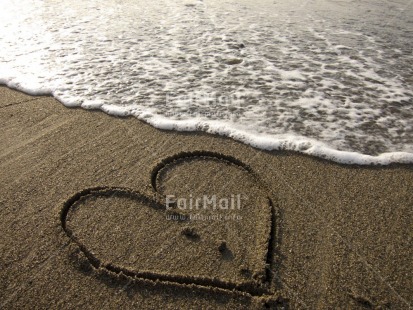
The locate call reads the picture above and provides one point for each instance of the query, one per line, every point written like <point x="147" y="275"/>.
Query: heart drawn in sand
<point x="208" y="222"/>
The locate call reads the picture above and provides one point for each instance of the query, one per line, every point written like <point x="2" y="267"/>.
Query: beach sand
<point x="84" y="221"/>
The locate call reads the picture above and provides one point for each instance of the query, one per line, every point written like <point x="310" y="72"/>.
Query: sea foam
<point x="265" y="74"/>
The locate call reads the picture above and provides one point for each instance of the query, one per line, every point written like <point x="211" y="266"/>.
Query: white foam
<point x="291" y="75"/>
<point x="265" y="77"/>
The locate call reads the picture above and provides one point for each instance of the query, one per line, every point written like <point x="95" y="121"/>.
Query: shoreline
<point x="300" y="144"/>
<point x="341" y="237"/>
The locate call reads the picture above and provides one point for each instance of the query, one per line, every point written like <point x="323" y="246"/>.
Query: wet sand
<point x="85" y="221"/>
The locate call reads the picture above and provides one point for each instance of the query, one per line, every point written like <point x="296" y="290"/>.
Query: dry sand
<point x="84" y="221"/>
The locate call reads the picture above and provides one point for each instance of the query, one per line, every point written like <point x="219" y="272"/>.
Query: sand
<point x="85" y="221"/>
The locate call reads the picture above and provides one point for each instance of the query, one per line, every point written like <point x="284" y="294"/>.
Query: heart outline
<point x="157" y="202"/>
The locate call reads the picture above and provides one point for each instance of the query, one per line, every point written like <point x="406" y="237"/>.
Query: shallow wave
<point x="270" y="76"/>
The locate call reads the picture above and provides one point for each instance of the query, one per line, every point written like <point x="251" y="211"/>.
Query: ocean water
<point x="328" y="78"/>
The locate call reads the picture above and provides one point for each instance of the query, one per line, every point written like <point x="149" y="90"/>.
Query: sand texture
<point x="86" y="222"/>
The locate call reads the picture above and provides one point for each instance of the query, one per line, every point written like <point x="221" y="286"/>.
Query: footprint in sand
<point x="207" y="222"/>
